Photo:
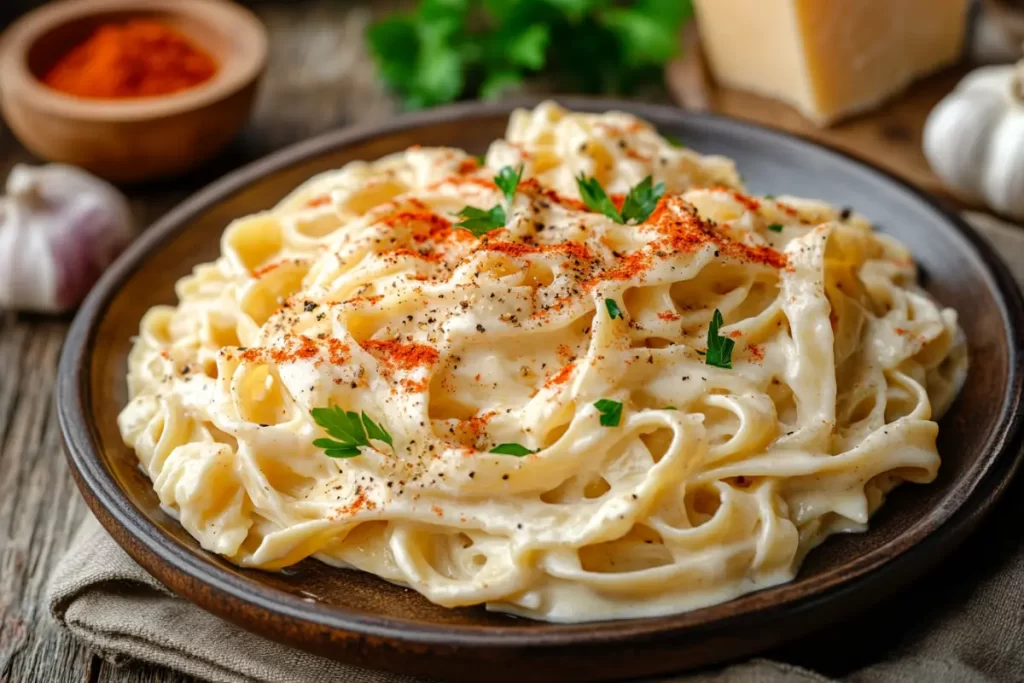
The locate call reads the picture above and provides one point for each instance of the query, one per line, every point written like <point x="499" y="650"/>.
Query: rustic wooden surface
<point x="319" y="78"/>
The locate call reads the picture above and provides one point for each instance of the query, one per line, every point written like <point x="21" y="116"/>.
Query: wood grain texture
<point x="319" y="77"/>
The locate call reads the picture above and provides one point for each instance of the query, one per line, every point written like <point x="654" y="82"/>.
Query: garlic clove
<point x="956" y="138"/>
<point x="1003" y="173"/>
<point x="60" y="227"/>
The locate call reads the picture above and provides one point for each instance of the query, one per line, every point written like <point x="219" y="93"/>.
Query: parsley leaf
<point x="512" y="449"/>
<point x="507" y="180"/>
<point x="613" y="309"/>
<point x="347" y="430"/>
<point x="719" y="352"/>
<point x="451" y="49"/>
<point x="639" y="203"/>
<point x="775" y="227"/>
<point x="480" y="222"/>
<point x="376" y="431"/>
<point x="673" y="140"/>
<point x="593" y="195"/>
<point x="642" y="200"/>
<point x="611" y="412"/>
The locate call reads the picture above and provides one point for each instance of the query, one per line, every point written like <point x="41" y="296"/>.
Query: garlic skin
<point x="974" y="138"/>
<point x="60" y="227"/>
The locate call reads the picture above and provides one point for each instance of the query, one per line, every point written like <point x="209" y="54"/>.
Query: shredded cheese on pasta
<point x="357" y="291"/>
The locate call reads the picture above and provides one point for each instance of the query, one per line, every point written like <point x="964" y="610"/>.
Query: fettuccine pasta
<point x="562" y="416"/>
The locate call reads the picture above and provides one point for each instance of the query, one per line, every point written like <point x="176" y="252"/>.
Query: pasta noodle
<point x="358" y="291"/>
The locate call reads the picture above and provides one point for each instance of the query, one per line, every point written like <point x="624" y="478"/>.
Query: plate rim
<point x="148" y="543"/>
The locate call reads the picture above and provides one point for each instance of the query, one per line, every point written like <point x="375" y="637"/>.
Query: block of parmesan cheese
<point x="829" y="58"/>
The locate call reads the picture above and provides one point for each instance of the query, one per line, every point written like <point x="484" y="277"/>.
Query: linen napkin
<point x="962" y="622"/>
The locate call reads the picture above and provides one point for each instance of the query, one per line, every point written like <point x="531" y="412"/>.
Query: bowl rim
<point x="233" y="74"/>
<point x="171" y="562"/>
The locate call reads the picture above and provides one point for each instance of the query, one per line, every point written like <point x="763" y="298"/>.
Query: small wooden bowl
<point x="131" y="140"/>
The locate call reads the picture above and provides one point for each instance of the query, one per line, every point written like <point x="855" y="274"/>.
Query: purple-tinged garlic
<point x="59" y="229"/>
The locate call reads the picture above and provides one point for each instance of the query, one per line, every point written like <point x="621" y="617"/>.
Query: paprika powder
<point x="136" y="58"/>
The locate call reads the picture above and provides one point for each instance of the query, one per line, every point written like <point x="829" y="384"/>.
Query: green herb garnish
<point x="512" y="449"/>
<point x="639" y="203"/>
<point x="480" y="222"/>
<point x="611" y="412"/>
<point x="719" y="353"/>
<point x="450" y="49"/>
<point x="593" y="195"/>
<point x="349" y="432"/>
<point x="507" y="180"/>
<point x="642" y="200"/>
<point x="613" y="309"/>
<point x="775" y="227"/>
<point x="673" y="140"/>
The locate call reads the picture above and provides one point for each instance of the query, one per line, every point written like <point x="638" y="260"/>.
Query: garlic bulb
<point x="59" y="229"/>
<point x="974" y="138"/>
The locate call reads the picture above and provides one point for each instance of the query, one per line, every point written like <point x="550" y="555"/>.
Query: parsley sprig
<point x="640" y="202"/>
<point x="349" y="430"/>
<point x="513" y="449"/>
<point x="611" y="412"/>
<point x="719" y="353"/>
<point x="451" y="49"/>
<point x="613" y="309"/>
<point x="481" y="221"/>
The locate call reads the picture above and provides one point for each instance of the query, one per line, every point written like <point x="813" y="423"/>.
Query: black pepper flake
<point x="480" y="328"/>
<point x="309" y="306"/>
<point x="504" y="477"/>
<point x="845" y="214"/>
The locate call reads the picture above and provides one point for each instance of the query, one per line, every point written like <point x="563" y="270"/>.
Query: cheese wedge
<point x="829" y="58"/>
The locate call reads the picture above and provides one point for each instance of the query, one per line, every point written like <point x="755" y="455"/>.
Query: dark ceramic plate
<point x="361" y="619"/>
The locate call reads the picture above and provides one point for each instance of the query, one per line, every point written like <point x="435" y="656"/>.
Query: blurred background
<point x="862" y="75"/>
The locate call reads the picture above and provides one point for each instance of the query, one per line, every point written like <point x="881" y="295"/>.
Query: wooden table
<point x="319" y="78"/>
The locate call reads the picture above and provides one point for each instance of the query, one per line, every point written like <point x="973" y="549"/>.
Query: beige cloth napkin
<point x="963" y="622"/>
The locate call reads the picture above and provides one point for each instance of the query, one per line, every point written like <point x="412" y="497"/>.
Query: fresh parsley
<point x="594" y="196"/>
<point x="673" y="140"/>
<point x="775" y="227"/>
<point x="611" y="412"/>
<point x="613" y="309"/>
<point x="639" y="203"/>
<point x="642" y="200"/>
<point x="512" y="449"/>
<point x="350" y="432"/>
<point x="450" y="49"/>
<point x="480" y="222"/>
<point x="719" y="353"/>
<point x="507" y="180"/>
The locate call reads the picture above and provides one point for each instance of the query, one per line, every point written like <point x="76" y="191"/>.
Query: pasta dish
<point x="585" y="377"/>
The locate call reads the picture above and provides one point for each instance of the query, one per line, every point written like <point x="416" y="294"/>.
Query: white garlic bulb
<point x="60" y="227"/>
<point x="974" y="138"/>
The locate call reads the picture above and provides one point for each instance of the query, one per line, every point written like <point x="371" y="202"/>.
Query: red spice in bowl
<point x="135" y="58"/>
